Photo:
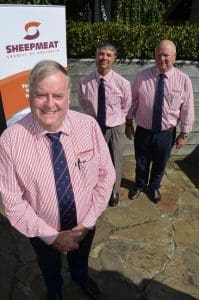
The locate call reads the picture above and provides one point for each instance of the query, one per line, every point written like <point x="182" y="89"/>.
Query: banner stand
<point x="3" y="124"/>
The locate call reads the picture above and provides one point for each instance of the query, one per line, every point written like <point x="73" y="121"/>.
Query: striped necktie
<point x="101" y="111"/>
<point x="158" y="105"/>
<point x="64" y="189"/>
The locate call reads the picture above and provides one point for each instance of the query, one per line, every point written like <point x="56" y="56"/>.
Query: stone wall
<point x="129" y="69"/>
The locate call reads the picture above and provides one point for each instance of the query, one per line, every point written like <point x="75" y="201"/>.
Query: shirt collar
<point x="107" y="77"/>
<point x="65" y="128"/>
<point x="167" y="74"/>
<point x="170" y="72"/>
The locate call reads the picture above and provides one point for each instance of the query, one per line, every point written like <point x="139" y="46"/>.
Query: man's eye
<point x="58" y="96"/>
<point x="40" y="95"/>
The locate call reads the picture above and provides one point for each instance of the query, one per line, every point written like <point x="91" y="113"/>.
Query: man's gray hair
<point x="43" y="69"/>
<point x="106" y="45"/>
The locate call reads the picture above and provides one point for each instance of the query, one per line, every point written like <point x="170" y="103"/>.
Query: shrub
<point x="137" y="41"/>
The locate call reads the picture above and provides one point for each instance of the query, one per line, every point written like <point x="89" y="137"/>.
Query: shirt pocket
<point x="174" y="100"/>
<point x="113" y="99"/>
<point x="88" y="168"/>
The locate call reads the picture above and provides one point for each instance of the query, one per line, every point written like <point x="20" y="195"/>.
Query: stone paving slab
<point x="141" y="250"/>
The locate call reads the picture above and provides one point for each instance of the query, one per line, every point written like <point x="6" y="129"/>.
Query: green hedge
<point x="132" y="42"/>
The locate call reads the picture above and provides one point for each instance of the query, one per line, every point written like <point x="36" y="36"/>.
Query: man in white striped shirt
<point x="27" y="183"/>
<point x="118" y="101"/>
<point x="152" y="146"/>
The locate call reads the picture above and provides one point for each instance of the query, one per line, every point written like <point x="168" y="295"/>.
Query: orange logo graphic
<point x="34" y="35"/>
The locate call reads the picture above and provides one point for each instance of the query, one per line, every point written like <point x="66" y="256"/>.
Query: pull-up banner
<point x="29" y="34"/>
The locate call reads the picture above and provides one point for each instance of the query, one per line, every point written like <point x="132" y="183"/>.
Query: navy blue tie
<point x="158" y="105"/>
<point x="101" y="111"/>
<point x="65" y="195"/>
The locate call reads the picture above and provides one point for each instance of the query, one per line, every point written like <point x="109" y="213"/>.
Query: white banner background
<point x="52" y="28"/>
<point x="29" y="33"/>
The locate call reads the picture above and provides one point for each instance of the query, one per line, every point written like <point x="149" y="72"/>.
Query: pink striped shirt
<point x="178" y="104"/>
<point x="117" y="94"/>
<point x="27" y="183"/>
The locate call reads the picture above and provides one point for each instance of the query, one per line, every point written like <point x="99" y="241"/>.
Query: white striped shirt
<point x="117" y="96"/>
<point x="178" y="106"/>
<point x="27" y="183"/>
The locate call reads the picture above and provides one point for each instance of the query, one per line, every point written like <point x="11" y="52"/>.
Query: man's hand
<point x="180" y="142"/>
<point x="67" y="240"/>
<point x="83" y="230"/>
<point x="129" y="131"/>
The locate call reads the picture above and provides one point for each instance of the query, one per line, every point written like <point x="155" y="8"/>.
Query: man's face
<point x="105" y="58"/>
<point x="165" y="57"/>
<point x="50" y="100"/>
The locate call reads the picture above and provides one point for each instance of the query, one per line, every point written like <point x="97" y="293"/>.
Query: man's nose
<point x="49" y="100"/>
<point x="162" y="58"/>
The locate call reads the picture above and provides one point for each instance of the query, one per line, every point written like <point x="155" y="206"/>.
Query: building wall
<point x="129" y="69"/>
<point x="194" y="17"/>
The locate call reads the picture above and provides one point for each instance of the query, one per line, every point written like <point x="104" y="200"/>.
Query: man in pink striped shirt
<point x="152" y="149"/>
<point x="117" y="103"/>
<point x="27" y="183"/>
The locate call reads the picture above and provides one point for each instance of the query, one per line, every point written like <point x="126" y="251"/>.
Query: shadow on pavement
<point x="190" y="166"/>
<point x="155" y="290"/>
<point x="127" y="184"/>
<point x="116" y="286"/>
<point x="17" y="257"/>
